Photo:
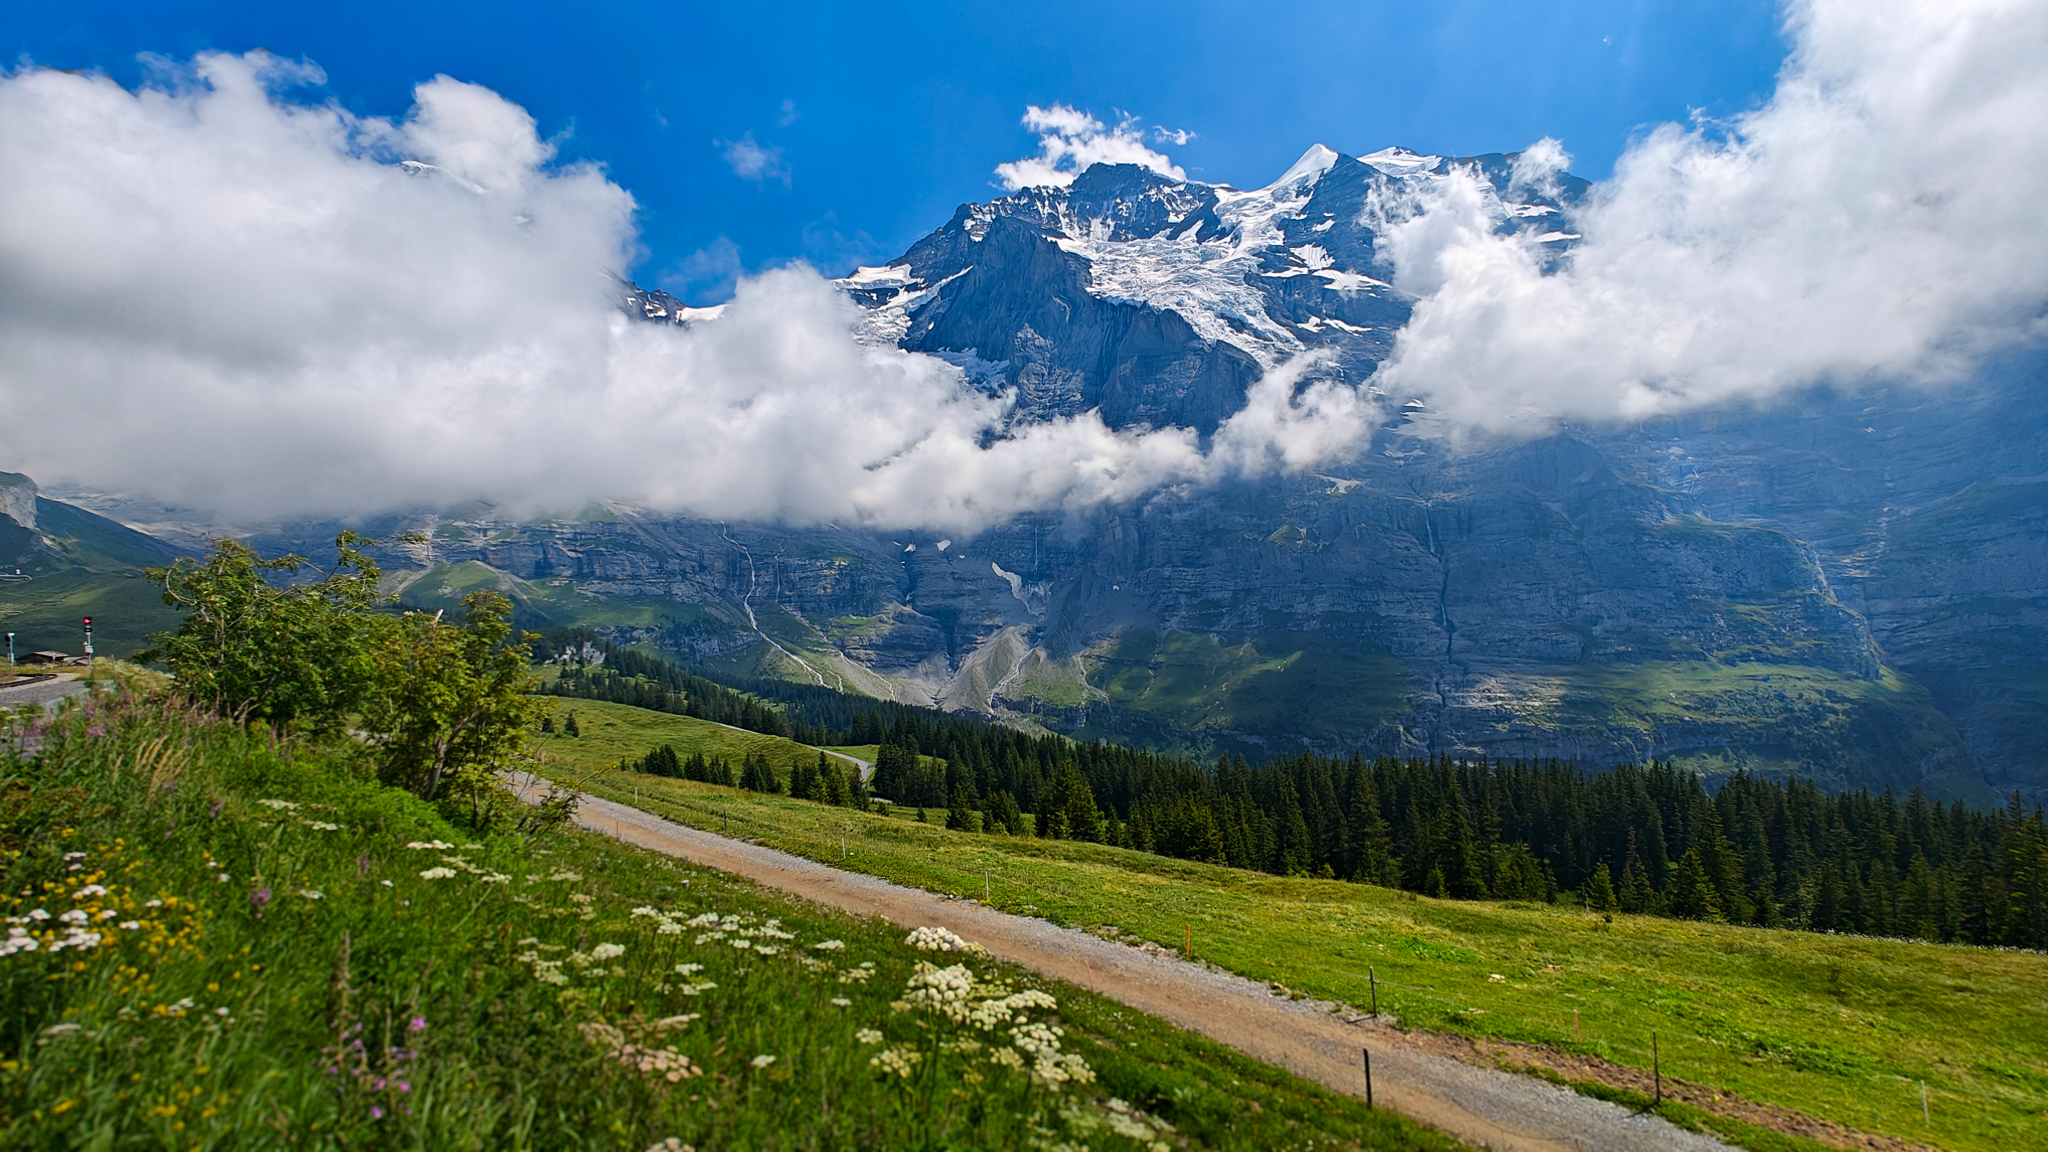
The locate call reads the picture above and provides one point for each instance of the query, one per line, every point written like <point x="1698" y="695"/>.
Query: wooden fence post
<point x="1368" y="1076"/>
<point x="1373" y="980"/>
<point x="1656" y="1069"/>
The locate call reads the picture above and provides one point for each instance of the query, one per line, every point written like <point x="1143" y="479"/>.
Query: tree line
<point x="1639" y="838"/>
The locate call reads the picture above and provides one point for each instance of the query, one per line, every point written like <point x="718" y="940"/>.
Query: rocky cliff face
<point x="18" y="499"/>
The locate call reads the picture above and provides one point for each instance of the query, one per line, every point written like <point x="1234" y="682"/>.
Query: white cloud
<point x="753" y="161"/>
<point x="218" y="298"/>
<point x="1069" y="140"/>
<point x="1174" y="136"/>
<point x="1880" y="216"/>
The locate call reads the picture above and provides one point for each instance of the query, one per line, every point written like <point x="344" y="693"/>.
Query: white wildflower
<point x="762" y="1061"/>
<point x="437" y="874"/>
<point x="896" y="1061"/>
<point x="430" y="845"/>
<point x="829" y="945"/>
<point x="841" y="1002"/>
<point x="571" y="877"/>
<point x="868" y="1036"/>
<point x="280" y="805"/>
<point x="607" y="951"/>
<point x="930" y="939"/>
<point x="89" y="890"/>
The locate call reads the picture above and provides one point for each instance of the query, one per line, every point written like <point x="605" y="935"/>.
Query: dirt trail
<point x="1481" y="1106"/>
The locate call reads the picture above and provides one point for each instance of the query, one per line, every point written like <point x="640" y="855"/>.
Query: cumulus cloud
<point x="1069" y="140"/>
<point x="1174" y="136"/>
<point x="1879" y="216"/>
<point x="219" y="297"/>
<point x="752" y="161"/>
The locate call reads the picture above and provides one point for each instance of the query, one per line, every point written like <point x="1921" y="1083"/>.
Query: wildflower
<point x="571" y="877"/>
<point x="221" y="1011"/>
<point x="437" y="873"/>
<point x="580" y="898"/>
<point x="868" y="1036"/>
<point x="497" y="878"/>
<point x="224" y="877"/>
<point x="312" y="894"/>
<point x="130" y="925"/>
<point x="670" y="1145"/>
<point x="70" y="856"/>
<point x="841" y="1002"/>
<point x="39" y="914"/>
<point x="385" y="883"/>
<point x="939" y="940"/>
<point x="896" y="1061"/>
<point x="75" y="916"/>
<point x="474" y="847"/>
<point x="829" y="945"/>
<point x="152" y="904"/>
<point x="689" y="969"/>
<point x="260" y="898"/>
<point x="321" y="826"/>
<point x="279" y="805"/>
<point x="1495" y="978"/>
<point x="607" y="951"/>
<point x="762" y="1061"/>
<point x="429" y="845"/>
<point x="18" y="940"/>
<point x="418" y="1024"/>
<point x="89" y="890"/>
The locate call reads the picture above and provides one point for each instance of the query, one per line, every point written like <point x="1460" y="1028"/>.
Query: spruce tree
<point x="959" y="816"/>
<point x="1600" y="895"/>
<point x="1691" y="894"/>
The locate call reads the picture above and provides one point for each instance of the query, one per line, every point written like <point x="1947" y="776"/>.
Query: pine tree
<point x="547" y="725"/>
<point x="569" y="726"/>
<point x="1690" y="895"/>
<point x="1600" y="895"/>
<point x="959" y="816"/>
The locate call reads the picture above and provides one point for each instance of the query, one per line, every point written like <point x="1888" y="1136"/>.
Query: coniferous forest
<point x="1636" y="838"/>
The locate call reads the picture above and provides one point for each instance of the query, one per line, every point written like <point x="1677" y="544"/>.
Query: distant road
<point x="1481" y="1106"/>
<point x="41" y="692"/>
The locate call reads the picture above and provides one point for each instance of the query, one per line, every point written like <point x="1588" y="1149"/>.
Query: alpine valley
<point x="1849" y="585"/>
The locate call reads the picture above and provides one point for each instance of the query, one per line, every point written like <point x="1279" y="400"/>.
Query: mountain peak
<point x="1313" y="163"/>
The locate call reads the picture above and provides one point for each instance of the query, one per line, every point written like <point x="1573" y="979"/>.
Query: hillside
<point x="76" y="564"/>
<point x="223" y="940"/>
<point x="1827" y="1030"/>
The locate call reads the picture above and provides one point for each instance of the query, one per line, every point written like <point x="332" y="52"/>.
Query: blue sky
<point x="877" y="120"/>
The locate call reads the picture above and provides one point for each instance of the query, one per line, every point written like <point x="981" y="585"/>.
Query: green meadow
<point x="216" y="938"/>
<point x="1845" y="1029"/>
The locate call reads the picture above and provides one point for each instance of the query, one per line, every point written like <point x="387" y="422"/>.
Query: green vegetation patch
<point x="1837" y="1027"/>
<point x="235" y="940"/>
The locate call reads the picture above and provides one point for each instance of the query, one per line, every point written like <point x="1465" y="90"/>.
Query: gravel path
<point x="1482" y="1106"/>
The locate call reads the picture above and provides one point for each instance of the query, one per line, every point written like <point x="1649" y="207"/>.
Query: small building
<point x="45" y="657"/>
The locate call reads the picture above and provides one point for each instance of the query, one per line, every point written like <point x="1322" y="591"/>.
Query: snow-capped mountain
<point x="1198" y="287"/>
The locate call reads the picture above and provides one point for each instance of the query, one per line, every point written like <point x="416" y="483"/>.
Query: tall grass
<point x="240" y="941"/>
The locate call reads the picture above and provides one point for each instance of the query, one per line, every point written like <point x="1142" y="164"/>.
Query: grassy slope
<point x="1838" y="1027"/>
<point x="294" y="906"/>
<point x="93" y="567"/>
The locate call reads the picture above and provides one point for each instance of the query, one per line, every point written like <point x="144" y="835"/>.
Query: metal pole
<point x="10" y="649"/>
<point x="1373" y="980"/>
<point x="1368" y="1076"/>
